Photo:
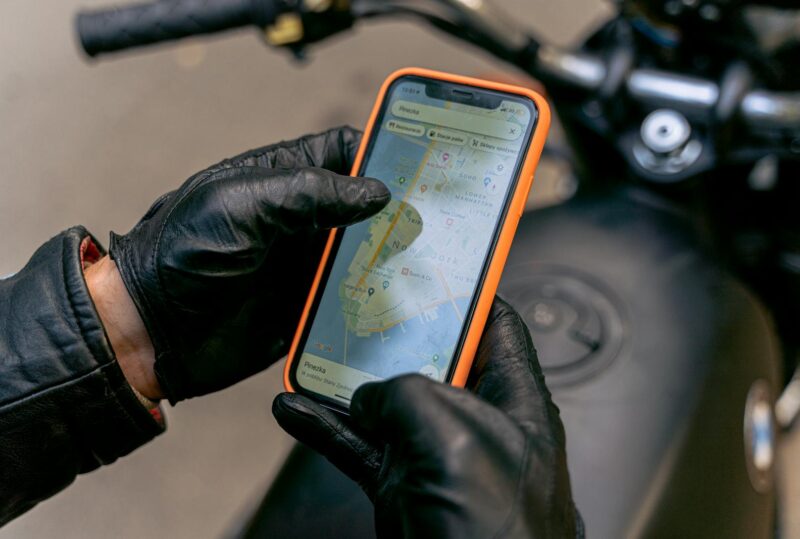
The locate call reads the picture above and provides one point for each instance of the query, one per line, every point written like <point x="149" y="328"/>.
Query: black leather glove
<point x="220" y="269"/>
<point x="438" y="461"/>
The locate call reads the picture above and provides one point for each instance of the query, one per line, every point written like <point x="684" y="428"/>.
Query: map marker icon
<point x="371" y="291"/>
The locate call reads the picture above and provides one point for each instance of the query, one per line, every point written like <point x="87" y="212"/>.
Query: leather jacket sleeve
<point x="65" y="406"/>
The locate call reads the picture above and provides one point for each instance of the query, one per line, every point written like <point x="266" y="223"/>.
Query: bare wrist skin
<point x="124" y="327"/>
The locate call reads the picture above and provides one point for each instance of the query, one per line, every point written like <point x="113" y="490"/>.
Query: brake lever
<point x="309" y="22"/>
<point x="478" y="22"/>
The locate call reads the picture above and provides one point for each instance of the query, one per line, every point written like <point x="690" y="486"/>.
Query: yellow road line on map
<point x="412" y="140"/>
<point x="400" y="209"/>
<point x="449" y="295"/>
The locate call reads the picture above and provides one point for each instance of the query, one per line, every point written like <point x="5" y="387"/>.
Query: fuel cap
<point x="575" y="321"/>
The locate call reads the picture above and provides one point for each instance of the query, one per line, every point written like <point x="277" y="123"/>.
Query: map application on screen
<point x="403" y="283"/>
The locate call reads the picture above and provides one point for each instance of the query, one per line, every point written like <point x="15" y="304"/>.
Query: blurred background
<point x="95" y="142"/>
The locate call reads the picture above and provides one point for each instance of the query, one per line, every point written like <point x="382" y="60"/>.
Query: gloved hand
<point x="439" y="461"/>
<point x="219" y="269"/>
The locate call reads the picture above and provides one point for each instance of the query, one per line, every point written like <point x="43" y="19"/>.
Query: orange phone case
<point x="505" y="237"/>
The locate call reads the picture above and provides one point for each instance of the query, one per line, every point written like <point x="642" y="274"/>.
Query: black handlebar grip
<point x="120" y="28"/>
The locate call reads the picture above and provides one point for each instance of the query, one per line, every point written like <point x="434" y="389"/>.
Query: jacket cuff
<point x="89" y="253"/>
<point x="67" y="376"/>
<point x="122" y="426"/>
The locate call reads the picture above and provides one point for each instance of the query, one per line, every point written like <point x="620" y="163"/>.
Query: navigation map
<point x="403" y="281"/>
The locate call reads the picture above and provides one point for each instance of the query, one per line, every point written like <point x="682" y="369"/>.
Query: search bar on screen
<point x="473" y="123"/>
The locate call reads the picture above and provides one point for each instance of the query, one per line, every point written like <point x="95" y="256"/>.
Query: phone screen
<point x="402" y="285"/>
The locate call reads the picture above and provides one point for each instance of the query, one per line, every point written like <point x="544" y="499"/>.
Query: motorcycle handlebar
<point x="759" y="108"/>
<point x="107" y="30"/>
<point x="163" y="20"/>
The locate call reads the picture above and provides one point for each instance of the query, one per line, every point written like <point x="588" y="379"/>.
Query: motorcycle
<point x="662" y="296"/>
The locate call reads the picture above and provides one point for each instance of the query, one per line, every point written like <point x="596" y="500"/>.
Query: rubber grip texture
<point x="114" y="29"/>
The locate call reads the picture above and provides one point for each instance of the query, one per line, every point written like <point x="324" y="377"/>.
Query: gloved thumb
<point x="331" y="435"/>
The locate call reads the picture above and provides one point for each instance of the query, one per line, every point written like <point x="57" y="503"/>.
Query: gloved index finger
<point x="334" y="150"/>
<point x="248" y="199"/>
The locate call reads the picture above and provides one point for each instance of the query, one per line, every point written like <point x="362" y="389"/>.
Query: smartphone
<point x="410" y="289"/>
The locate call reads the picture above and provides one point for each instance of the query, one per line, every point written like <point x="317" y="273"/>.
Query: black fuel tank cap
<point x="576" y="323"/>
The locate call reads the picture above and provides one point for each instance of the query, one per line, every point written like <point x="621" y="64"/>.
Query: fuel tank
<point x="664" y="367"/>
